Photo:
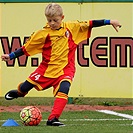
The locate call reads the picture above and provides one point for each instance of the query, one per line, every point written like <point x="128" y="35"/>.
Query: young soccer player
<point x="57" y="43"/>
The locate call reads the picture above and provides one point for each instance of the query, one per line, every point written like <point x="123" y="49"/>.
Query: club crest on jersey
<point x="67" y="34"/>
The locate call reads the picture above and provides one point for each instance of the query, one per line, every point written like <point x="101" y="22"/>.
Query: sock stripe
<point x="20" y="92"/>
<point x="62" y="95"/>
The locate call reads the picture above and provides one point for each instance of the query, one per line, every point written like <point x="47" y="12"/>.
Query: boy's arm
<point x="16" y="54"/>
<point x="97" y="23"/>
<point x="13" y="55"/>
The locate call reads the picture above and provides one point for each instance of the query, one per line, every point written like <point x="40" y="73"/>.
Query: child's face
<point x="55" y="22"/>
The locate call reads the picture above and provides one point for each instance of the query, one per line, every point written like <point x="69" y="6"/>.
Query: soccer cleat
<point x="54" y="122"/>
<point x="11" y="95"/>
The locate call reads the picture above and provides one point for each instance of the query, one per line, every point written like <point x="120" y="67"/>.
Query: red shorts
<point x="42" y="83"/>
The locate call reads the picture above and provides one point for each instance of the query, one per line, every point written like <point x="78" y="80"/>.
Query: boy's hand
<point x="115" y="24"/>
<point x="5" y="57"/>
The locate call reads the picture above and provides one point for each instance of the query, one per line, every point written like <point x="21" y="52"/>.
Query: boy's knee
<point x="25" y="87"/>
<point x="64" y="87"/>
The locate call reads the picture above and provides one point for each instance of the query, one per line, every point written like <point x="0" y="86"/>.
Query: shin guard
<point x="60" y="100"/>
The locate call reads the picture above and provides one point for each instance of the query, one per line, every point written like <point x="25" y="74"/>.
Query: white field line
<point x="83" y="124"/>
<point x="94" y="119"/>
<point x="117" y="114"/>
<point x="82" y="120"/>
<point x="126" y="117"/>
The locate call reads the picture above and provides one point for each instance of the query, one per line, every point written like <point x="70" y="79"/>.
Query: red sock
<point x="58" y="107"/>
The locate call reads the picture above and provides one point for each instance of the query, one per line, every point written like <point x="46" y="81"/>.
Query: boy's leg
<point x="22" y="90"/>
<point x="60" y="102"/>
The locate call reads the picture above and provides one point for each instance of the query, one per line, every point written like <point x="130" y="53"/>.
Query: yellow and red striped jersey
<point x="57" y="47"/>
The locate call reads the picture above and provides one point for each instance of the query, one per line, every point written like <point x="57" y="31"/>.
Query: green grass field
<point x="78" y="101"/>
<point x="75" y="121"/>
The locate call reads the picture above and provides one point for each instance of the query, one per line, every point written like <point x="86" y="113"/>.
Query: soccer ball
<point x="30" y="116"/>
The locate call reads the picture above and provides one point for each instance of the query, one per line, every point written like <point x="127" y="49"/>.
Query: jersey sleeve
<point x="80" y="30"/>
<point x="34" y="44"/>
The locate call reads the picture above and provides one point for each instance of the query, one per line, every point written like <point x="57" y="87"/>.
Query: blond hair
<point x="53" y="9"/>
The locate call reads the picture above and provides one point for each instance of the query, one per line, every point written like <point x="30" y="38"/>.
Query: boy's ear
<point x="62" y="16"/>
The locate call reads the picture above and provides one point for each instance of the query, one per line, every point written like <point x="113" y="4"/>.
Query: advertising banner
<point x="104" y="63"/>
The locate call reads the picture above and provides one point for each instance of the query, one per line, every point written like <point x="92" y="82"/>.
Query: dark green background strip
<point x="61" y="1"/>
